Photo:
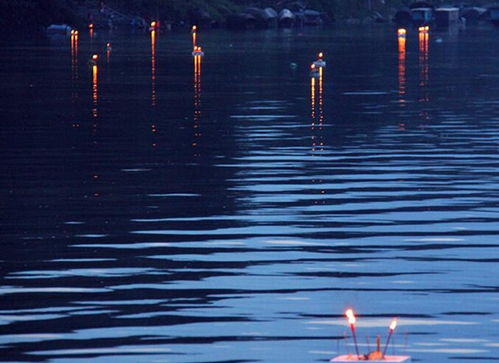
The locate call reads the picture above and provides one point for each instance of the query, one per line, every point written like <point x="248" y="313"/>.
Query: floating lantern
<point x="93" y="60"/>
<point x="376" y="356"/>
<point x="314" y="71"/>
<point x="197" y="51"/>
<point x="320" y="61"/>
<point x="154" y="25"/>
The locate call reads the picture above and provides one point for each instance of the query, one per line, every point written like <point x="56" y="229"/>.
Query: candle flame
<point x="351" y="316"/>
<point x="90" y="26"/>
<point x="95" y="57"/>
<point x="321" y="55"/>
<point x="153" y="24"/>
<point x="194" y="28"/>
<point x="401" y="32"/>
<point x="393" y="324"/>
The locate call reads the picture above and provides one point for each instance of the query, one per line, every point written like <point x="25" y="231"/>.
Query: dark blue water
<point x="229" y="209"/>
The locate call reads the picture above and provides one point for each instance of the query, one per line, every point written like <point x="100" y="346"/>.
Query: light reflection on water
<point x="151" y="241"/>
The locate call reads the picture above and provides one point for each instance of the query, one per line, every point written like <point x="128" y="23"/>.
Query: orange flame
<point x="393" y="325"/>
<point x="401" y="32"/>
<point x="95" y="57"/>
<point x="153" y="24"/>
<point x="321" y="55"/>
<point x="351" y="317"/>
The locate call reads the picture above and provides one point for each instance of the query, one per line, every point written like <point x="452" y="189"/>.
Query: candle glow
<point x="351" y="317"/>
<point x="393" y="324"/>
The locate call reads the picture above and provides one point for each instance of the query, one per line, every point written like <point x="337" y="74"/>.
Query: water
<point x="157" y="209"/>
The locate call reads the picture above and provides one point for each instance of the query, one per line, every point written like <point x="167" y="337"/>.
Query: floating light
<point x="320" y="62"/>
<point x="197" y="51"/>
<point x="314" y="71"/>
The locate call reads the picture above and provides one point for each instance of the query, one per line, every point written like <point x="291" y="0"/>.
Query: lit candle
<point x="351" y="321"/>
<point x="391" y="329"/>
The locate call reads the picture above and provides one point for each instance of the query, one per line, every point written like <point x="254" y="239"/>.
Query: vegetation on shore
<point x="30" y="16"/>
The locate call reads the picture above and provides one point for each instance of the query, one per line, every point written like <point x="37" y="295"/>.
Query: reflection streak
<point x="401" y="65"/>
<point x="153" y="67"/>
<point x="317" y="108"/>
<point x="95" y="94"/>
<point x="423" y="62"/>
<point x="197" y="98"/>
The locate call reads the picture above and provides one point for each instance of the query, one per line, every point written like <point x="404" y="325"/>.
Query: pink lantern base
<point x="387" y="358"/>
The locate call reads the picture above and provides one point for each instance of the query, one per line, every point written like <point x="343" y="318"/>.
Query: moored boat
<point x="446" y="17"/>
<point x="286" y="18"/>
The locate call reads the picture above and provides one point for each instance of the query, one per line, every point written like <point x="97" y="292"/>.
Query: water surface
<point x="230" y="208"/>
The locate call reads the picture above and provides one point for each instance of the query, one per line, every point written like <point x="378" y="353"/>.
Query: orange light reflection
<point x="401" y="67"/>
<point x="95" y="94"/>
<point x="423" y="63"/>
<point x="153" y="67"/>
<point x="194" y="36"/>
<point x="74" y="55"/>
<point x="317" y="110"/>
<point x="197" y="101"/>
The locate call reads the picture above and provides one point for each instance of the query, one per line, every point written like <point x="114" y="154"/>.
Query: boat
<point x="241" y="21"/>
<point x="266" y="18"/>
<point x="472" y="14"/>
<point x="201" y="18"/>
<point x="422" y="16"/>
<point x="493" y="12"/>
<point x="309" y="17"/>
<point x="59" y="29"/>
<point x="446" y="17"/>
<point x="402" y="18"/>
<point x="286" y="18"/>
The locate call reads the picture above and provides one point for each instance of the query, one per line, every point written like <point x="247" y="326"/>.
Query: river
<point x="160" y="207"/>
